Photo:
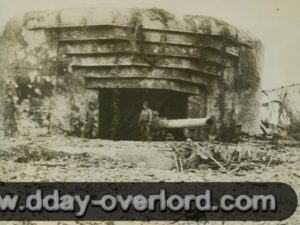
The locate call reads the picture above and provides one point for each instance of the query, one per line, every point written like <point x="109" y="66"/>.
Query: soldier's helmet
<point x="146" y="104"/>
<point x="91" y="105"/>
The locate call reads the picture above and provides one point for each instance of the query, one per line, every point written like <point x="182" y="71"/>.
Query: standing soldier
<point x="157" y="132"/>
<point x="145" y="121"/>
<point x="9" y="116"/>
<point x="91" y="119"/>
<point x="75" y="121"/>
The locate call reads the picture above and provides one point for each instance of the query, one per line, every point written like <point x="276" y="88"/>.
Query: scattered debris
<point x="226" y="157"/>
<point x="251" y="160"/>
<point x="190" y="154"/>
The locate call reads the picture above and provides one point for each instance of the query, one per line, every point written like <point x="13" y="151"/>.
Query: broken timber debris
<point x="230" y="158"/>
<point x="191" y="153"/>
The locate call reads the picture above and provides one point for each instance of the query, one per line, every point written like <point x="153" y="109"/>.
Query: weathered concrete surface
<point x="49" y="58"/>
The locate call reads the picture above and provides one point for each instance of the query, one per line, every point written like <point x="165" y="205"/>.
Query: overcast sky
<point x="275" y="22"/>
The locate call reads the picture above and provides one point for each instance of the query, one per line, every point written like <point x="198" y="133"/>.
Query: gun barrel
<point x="186" y="123"/>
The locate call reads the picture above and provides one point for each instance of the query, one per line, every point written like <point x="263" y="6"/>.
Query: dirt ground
<point x="79" y="160"/>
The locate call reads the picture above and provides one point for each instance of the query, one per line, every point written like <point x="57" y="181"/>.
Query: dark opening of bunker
<point x="119" y="110"/>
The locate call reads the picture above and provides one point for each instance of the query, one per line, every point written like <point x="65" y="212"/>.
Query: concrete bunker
<point x="185" y="66"/>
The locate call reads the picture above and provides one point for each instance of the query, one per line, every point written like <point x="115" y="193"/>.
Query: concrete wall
<point x="48" y="59"/>
<point x="44" y="96"/>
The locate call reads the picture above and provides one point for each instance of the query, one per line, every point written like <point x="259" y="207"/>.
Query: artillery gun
<point x="187" y="125"/>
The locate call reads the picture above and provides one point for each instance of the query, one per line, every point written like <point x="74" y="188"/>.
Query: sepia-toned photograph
<point x="150" y="91"/>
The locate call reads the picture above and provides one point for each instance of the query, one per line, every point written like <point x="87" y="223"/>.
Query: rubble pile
<point x="228" y="157"/>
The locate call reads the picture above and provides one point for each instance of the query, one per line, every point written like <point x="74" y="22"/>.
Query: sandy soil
<point x="48" y="159"/>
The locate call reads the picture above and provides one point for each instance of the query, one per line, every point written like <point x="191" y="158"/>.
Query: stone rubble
<point x="35" y="160"/>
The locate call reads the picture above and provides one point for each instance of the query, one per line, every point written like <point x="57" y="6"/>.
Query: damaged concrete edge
<point x="153" y="18"/>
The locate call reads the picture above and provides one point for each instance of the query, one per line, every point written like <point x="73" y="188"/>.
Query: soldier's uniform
<point x="156" y="131"/>
<point x="145" y="120"/>
<point x="76" y="123"/>
<point x="9" y="117"/>
<point x="90" y="122"/>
